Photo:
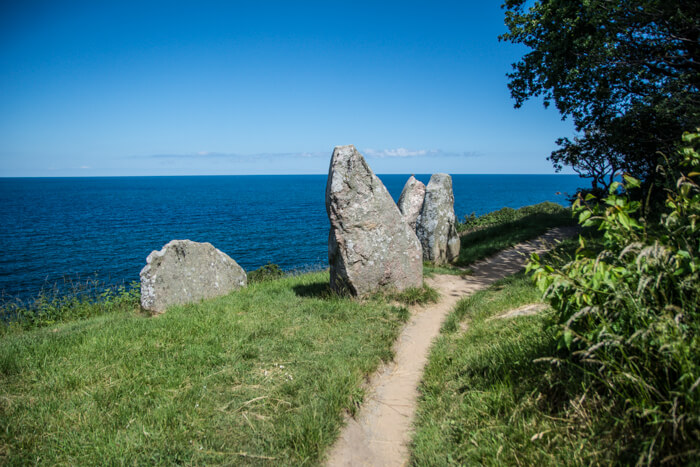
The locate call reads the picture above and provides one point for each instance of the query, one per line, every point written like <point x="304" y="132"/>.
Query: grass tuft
<point x="417" y="295"/>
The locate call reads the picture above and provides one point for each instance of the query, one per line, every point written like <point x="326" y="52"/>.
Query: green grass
<point x="508" y="227"/>
<point x="487" y="399"/>
<point x="416" y="295"/>
<point x="260" y="376"/>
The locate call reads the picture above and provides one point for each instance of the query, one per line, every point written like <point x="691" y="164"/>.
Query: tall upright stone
<point x="411" y="201"/>
<point x="370" y="246"/>
<point x="184" y="271"/>
<point x="436" y="226"/>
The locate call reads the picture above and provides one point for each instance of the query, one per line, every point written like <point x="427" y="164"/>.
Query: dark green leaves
<point x="626" y="72"/>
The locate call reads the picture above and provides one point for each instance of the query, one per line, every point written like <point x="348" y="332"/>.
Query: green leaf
<point x="568" y="338"/>
<point x="631" y="182"/>
<point x="624" y="220"/>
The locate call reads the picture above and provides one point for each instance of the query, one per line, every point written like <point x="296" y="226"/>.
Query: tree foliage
<point x="627" y="72"/>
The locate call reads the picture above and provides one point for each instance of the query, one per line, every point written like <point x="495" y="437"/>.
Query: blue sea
<point x="53" y="229"/>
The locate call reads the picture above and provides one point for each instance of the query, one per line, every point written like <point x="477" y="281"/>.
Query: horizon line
<point x="260" y="175"/>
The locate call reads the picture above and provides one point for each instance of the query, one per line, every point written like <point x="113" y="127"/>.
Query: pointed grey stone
<point x="411" y="201"/>
<point x="185" y="271"/>
<point x="370" y="247"/>
<point x="436" y="226"/>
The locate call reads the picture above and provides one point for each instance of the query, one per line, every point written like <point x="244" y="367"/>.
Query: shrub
<point x="628" y="315"/>
<point x="268" y="272"/>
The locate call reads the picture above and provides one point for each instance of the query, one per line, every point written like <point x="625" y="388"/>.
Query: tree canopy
<point x="627" y="72"/>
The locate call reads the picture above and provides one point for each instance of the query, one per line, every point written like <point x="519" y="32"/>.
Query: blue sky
<point x="187" y="88"/>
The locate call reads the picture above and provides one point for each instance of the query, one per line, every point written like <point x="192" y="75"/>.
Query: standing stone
<point x="411" y="201"/>
<point x="185" y="271"/>
<point x="436" y="226"/>
<point x="370" y="246"/>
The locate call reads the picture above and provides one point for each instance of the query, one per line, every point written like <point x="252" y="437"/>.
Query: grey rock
<point x="185" y="271"/>
<point x="411" y="201"/>
<point x="436" y="226"/>
<point x="370" y="247"/>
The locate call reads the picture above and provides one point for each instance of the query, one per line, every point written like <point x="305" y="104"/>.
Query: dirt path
<point x="380" y="433"/>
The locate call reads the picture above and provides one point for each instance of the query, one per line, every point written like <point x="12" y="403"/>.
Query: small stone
<point x="411" y="201"/>
<point x="184" y="272"/>
<point x="370" y="247"/>
<point x="436" y="225"/>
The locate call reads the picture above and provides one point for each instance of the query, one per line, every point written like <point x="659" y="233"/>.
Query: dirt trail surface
<point x="381" y="431"/>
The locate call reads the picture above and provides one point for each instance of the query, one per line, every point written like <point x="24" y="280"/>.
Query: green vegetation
<point x="260" y="375"/>
<point x="268" y="272"/>
<point x="507" y="227"/>
<point x="508" y="215"/>
<point x="625" y="72"/>
<point x="417" y="295"/>
<point x="75" y="300"/>
<point x="629" y="316"/>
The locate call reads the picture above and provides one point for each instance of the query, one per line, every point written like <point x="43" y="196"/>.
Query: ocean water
<point x="52" y="229"/>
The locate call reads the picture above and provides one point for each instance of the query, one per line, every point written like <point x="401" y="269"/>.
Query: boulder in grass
<point x="184" y="272"/>
<point x="436" y="225"/>
<point x="370" y="246"/>
<point x="411" y="201"/>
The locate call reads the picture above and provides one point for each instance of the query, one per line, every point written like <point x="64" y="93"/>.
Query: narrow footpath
<point x="381" y="431"/>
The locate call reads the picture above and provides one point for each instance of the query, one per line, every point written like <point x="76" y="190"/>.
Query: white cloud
<point x="403" y="152"/>
<point x="398" y="152"/>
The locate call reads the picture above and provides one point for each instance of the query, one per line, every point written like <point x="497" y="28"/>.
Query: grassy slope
<point x="505" y="228"/>
<point x="485" y="401"/>
<point x="264" y="372"/>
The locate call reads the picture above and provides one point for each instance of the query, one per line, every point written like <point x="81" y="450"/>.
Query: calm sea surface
<point x="78" y="228"/>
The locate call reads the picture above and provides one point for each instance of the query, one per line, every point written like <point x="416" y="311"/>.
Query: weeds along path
<point x="381" y="431"/>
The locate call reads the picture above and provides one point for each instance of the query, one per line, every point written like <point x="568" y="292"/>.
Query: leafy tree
<point x="627" y="72"/>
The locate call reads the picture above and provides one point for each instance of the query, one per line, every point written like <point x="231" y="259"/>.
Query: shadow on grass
<point x="523" y="368"/>
<point x="320" y="290"/>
